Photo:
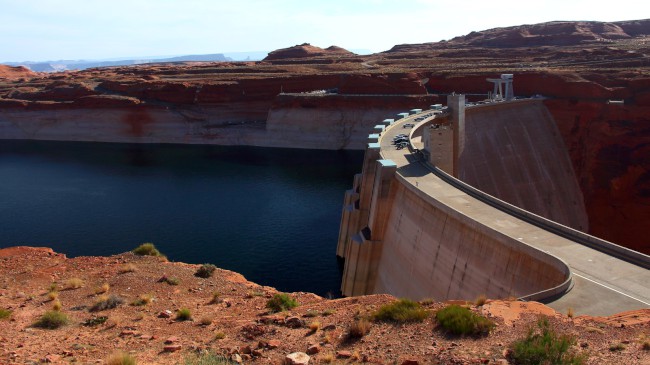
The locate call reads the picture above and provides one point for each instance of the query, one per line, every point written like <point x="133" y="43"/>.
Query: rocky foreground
<point x="148" y="293"/>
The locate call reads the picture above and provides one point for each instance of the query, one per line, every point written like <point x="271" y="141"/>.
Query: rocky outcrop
<point x="306" y="50"/>
<point x="17" y="72"/>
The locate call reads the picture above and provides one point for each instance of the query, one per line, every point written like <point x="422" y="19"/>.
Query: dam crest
<point x="480" y="199"/>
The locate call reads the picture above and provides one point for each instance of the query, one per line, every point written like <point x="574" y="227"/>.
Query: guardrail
<point x="612" y="249"/>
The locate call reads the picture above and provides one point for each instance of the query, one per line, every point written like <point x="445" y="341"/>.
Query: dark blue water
<point x="270" y="214"/>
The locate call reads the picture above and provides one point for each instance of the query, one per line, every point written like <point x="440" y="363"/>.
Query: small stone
<point x="52" y="358"/>
<point x="172" y="348"/>
<point x="294" y="322"/>
<point x="625" y="342"/>
<point x="245" y="350"/>
<point x="313" y="349"/>
<point x="171" y="340"/>
<point x="410" y="362"/>
<point x="273" y="344"/>
<point x="297" y="358"/>
<point x="344" y="354"/>
<point x="236" y="358"/>
<point x="246" y="357"/>
<point x="127" y="333"/>
<point x="165" y="314"/>
<point x="329" y="327"/>
<point x="584" y="345"/>
<point x="257" y="353"/>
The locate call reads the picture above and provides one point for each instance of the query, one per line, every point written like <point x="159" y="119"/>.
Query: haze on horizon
<point x="44" y="30"/>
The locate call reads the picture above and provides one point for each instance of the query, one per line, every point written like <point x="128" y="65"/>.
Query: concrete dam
<point x="481" y="200"/>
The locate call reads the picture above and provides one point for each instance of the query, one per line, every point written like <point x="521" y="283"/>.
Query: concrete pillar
<point x="382" y="198"/>
<point x="456" y="104"/>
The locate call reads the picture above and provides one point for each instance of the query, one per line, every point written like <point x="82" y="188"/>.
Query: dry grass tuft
<point x="56" y="305"/>
<point x="359" y="328"/>
<point x="126" y="268"/>
<point x="480" y="300"/>
<point x="120" y="358"/>
<point x="52" y="296"/>
<point x="74" y="283"/>
<point x="314" y="326"/>
<point x="104" y="288"/>
<point x="144" y="299"/>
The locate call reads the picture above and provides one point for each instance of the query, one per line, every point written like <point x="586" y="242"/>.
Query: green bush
<point x="147" y="249"/>
<point x="106" y="302"/>
<point x="183" y="314"/>
<point x="4" y="313"/>
<point x="545" y="347"/>
<point x="459" y="320"/>
<point x="208" y="358"/>
<point x="281" y="302"/>
<point x="51" y="320"/>
<point x="403" y="310"/>
<point x="95" y="321"/>
<point x="205" y="271"/>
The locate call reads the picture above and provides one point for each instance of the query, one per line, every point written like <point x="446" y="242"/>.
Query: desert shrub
<point x="206" y="320"/>
<point x="311" y="313"/>
<point x="459" y="320"/>
<point x="480" y="300"/>
<point x="544" y="346"/>
<point x="74" y="283"/>
<point x="95" y="321"/>
<point x="207" y="358"/>
<point x="403" y="310"/>
<point x="56" y="305"/>
<point x="51" y="320"/>
<point x="106" y="302"/>
<point x="219" y="335"/>
<point x="120" y="358"/>
<point x="144" y="299"/>
<point x="4" y="313"/>
<point x="53" y="295"/>
<point x="328" y="312"/>
<point x="314" y="326"/>
<point x="126" y="268"/>
<point x="215" y="298"/>
<point x="147" y="249"/>
<point x="281" y="302"/>
<point x="183" y="314"/>
<point x="616" y="347"/>
<point x="359" y="328"/>
<point x="168" y="280"/>
<point x="205" y="271"/>
<point x="103" y="288"/>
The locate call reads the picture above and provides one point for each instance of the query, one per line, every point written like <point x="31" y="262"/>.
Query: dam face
<point x="412" y="230"/>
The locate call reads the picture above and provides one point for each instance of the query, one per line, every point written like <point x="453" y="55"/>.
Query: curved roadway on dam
<point x="602" y="284"/>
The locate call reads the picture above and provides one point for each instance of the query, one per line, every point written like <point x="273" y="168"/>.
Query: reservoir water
<point x="270" y="214"/>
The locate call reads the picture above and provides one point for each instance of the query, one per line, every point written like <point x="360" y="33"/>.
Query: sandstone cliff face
<point x="11" y="73"/>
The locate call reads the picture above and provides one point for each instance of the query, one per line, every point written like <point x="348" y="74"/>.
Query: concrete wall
<point x="405" y="240"/>
<point x="432" y="251"/>
<point x="514" y="152"/>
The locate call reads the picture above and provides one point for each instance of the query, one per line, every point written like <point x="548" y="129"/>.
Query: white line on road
<point x="612" y="289"/>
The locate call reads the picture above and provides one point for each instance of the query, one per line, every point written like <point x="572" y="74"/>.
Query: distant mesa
<point x="306" y="50"/>
<point x="557" y="33"/>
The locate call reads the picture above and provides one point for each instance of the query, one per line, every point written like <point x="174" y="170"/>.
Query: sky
<point x="39" y="30"/>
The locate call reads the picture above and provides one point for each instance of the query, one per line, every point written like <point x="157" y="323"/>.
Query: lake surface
<point x="270" y="214"/>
